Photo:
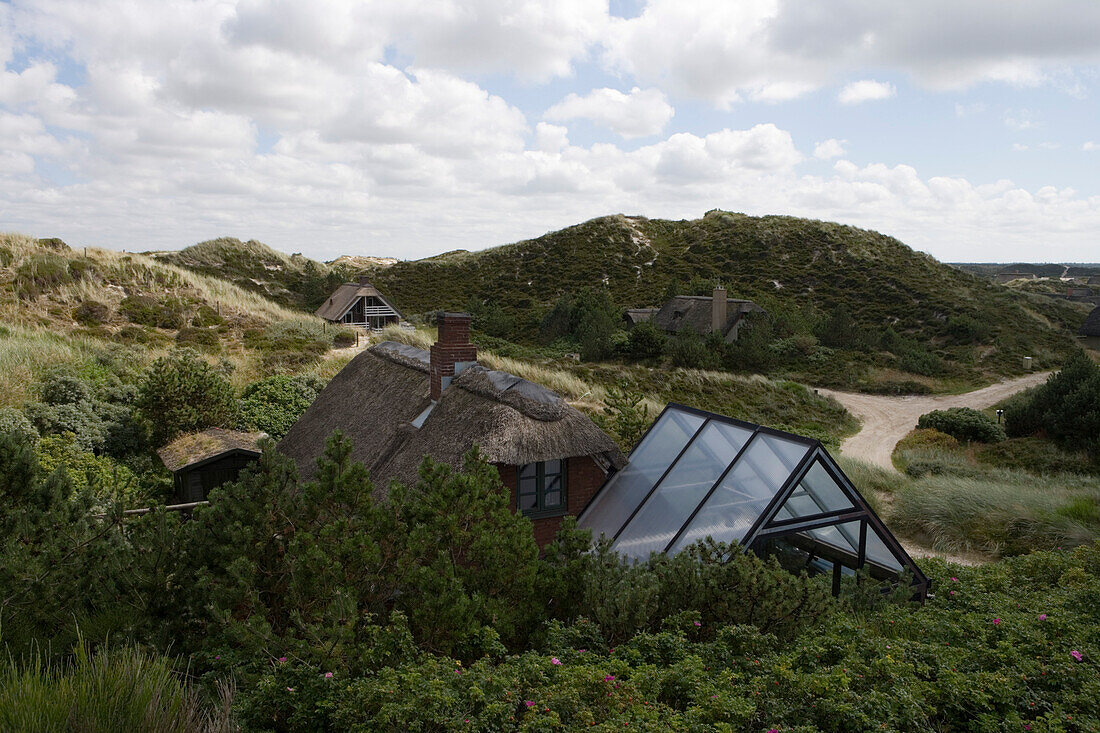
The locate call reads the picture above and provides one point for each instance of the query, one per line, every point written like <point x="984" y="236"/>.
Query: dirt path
<point x="887" y="419"/>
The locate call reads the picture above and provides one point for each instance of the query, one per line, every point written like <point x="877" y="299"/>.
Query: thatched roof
<point x="693" y="312"/>
<point x="377" y="396"/>
<point x="188" y="450"/>
<point x="342" y="299"/>
<point x="634" y="316"/>
<point x="1091" y="326"/>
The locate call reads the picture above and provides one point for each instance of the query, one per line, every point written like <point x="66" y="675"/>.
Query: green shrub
<point x="98" y="476"/>
<point x="690" y="350"/>
<point x="145" y="310"/>
<point x="204" y="339"/>
<point x="274" y="404"/>
<point x="1035" y="455"/>
<point x="205" y="317"/>
<point x="1066" y="408"/>
<point x="41" y="272"/>
<point x="963" y="423"/>
<point x="644" y="341"/>
<point x="91" y="313"/>
<point x="968" y="330"/>
<point x="182" y="393"/>
<point x="342" y="338"/>
<point x="926" y="438"/>
<point x="6" y="256"/>
<point x="13" y="421"/>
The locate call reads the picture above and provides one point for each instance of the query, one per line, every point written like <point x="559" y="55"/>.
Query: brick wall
<point x="452" y="345"/>
<point x="583" y="480"/>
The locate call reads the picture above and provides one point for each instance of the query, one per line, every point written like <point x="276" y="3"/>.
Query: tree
<point x="644" y="341"/>
<point x="181" y="393"/>
<point x="274" y="404"/>
<point x="1066" y="407"/>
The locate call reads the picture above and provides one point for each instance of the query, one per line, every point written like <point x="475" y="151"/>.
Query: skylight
<point x="697" y="474"/>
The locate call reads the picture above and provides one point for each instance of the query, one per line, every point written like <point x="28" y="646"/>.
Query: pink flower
<point x="609" y="678"/>
<point x="282" y="659"/>
<point x="952" y="592"/>
<point x="773" y="730"/>
<point x="328" y="675"/>
<point x="1042" y="617"/>
<point x="581" y="651"/>
<point x="458" y="671"/>
<point x="290" y="689"/>
<point x="555" y="660"/>
<point x="996" y="622"/>
<point x="698" y="624"/>
<point x="218" y="657"/>
<point x="1077" y="655"/>
<point x="529" y="703"/>
<point x="954" y="579"/>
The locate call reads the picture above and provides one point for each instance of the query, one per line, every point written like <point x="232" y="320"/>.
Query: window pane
<point x="844" y="537"/>
<point x="613" y="505"/>
<point x="551" y="468"/>
<point x="527" y="502"/>
<point x="824" y="490"/>
<point x="677" y="496"/>
<point x="528" y="486"/>
<point x="527" y="471"/>
<point x="737" y="502"/>
<point x="552" y="500"/>
<point x="878" y="553"/>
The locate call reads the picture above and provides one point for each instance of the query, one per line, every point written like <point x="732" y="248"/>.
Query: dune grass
<point x="121" y="689"/>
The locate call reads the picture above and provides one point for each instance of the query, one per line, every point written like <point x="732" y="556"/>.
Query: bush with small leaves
<point x="274" y="404"/>
<point x="91" y="313"/>
<point x="963" y="423"/>
<point x="182" y="393"/>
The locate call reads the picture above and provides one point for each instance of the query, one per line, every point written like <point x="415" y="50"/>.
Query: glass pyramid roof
<point x="697" y="474"/>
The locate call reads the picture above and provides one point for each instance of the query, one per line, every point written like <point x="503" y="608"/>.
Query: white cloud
<point x="1090" y="146"/>
<point x="1020" y="120"/>
<point x="828" y="149"/>
<point x="866" y="90"/>
<point x="969" y="110"/>
<point x="641" y="113"/>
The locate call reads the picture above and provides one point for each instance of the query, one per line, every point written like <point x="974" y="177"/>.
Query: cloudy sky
<point x="969" y="129"/>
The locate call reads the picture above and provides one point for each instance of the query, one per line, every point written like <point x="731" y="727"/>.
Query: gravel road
<point x="887" y="419"/>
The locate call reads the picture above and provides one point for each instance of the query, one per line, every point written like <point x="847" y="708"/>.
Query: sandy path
<point x="887" y="419"/>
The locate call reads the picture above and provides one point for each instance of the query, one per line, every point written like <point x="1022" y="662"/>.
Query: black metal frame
<point x="766" y="526"/>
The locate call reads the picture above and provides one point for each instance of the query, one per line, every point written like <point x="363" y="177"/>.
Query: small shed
<point x="359" y="304"/>
<point x="201" y="462"/>
<point x="633" y="316"/>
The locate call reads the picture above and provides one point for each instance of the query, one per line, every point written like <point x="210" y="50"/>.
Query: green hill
<point x="972" y="329"/>
<point x="293" y="280"/>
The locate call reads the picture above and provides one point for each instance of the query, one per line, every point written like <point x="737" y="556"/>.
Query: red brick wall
<point x="452" y="344"/>
<point x="583" y="478"/>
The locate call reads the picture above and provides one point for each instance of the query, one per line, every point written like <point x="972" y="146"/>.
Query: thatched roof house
<point x="704" y="314"/>
<point x="397" y="403"/>
<point x="1091" y="326"/>
<point x="633" y="316"/>
<point x="202" y="461"/>
<point x="358" y="304"/>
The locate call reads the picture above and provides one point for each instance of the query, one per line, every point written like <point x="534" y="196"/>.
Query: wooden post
<point x="357" y="338"/>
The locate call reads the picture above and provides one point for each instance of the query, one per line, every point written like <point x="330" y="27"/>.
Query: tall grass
<point x="107" y="690"/>
<point x="999" y="512"/>
<point x="26" y="352"/>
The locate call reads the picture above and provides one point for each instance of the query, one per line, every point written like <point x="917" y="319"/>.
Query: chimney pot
<point x="451" y="350"/>
<point x="718" y="310"/>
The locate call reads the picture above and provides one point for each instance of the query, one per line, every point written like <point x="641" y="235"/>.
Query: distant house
<point x="397" y="403"/>
<point x="359" y="304"/>
<point x="1004" y="277"/>
<point x="1091" y="327"/>
<point x="201" y="462"/>
<point x="704" y="314"/>
<point x="697" y="474"/>
<point x="633" y="316"/>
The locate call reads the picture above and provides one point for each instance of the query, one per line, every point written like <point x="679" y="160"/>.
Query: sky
<point x="969" y="130"/>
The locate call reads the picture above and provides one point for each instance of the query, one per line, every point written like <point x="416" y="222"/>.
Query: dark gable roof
<point x="188" y="450"/>
<point x="376" y="397"/>
<point x="693" y="312"/>
<point x="344" y="296"/>
<point x="1091" y="326"/>
<point x="639" y="315"/>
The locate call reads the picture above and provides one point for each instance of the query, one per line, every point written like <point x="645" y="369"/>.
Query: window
<point x="541" y="490"/>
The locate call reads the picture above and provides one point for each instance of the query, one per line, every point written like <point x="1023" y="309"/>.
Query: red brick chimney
<point x="452" y="347"/>
<point x="718" y="310"/>
<point x="364" y="280"/>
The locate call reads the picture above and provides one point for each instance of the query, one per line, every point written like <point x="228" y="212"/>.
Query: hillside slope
<point x="781" y="262"/>
<point x="293" y="280"/>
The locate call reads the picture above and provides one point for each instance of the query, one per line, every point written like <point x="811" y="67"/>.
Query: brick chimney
<point x="718" y="310"/>
<point x="364" y="280"/>
<point x="451" y="352"/>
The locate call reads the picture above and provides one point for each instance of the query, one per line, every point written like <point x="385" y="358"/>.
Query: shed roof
<point x="697" y="474"/>
<point x="634" y="316"/>
<point x="342" y="299"/>
<point x="376" y="398"/>
<point x="693" y="312"/>
<point x="1091" y="326"/>
<point x="188" y="450"/>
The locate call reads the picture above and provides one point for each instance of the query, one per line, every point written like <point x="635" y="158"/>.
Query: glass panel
<point x="745" y="491"/>
<point x="677" y="496"/>
<point x="821" y="487"/>
<point x="528" y="470"/>
<point x="844" y="537"/>
<point x="527" y="502"/>
<point x="552" y="467"/>
<point x="552" y="500"/>
<point x="878" y="553"/>
<point x="612" y="506"/>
